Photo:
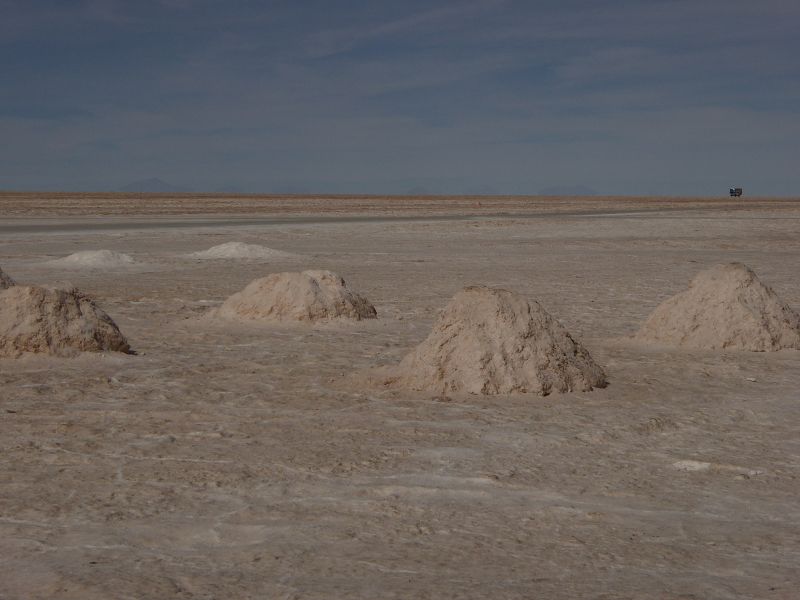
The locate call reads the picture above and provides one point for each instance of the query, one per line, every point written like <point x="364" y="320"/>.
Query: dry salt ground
<point x="94" y="259"/>
<point x="240" y="251"/>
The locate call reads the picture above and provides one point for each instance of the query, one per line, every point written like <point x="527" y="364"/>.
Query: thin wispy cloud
<point x="627" y="97"/>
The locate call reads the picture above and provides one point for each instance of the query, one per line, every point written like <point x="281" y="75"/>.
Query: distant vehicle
<point x="736" y="192"/>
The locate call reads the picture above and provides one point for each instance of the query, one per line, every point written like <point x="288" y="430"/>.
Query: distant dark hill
<point x="229" y="188"/>
<point x="418" y="191"/>
<point x="482" y="190"/>
<point x="154" y="184"/>
<point x="568" y="190"/>
<point x="291" y="188"/>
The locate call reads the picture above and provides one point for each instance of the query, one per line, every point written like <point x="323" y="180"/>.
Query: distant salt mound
<point x="56" y="322"/>
<point x="94" y="259"/>
<point x="5" y="281"/>
<point x="725" y="307"/>
<point x="309" y="296"/>
<point x="238" y="250"/>
<point x="492" y="341"/>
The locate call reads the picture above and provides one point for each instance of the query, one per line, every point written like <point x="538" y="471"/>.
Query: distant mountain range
<point x="568" y="190"/>
<point x="229" y="188"/>
<point x="154" y="184"/>
<point x="418" y="190"/>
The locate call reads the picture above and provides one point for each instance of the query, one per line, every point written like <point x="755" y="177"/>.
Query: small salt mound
<point x="308" y="296"/>
<point x="492" y="341"/>
<point x="6" y="281"/>
<point x="53" y="321"/>
<point x="725" y="307"/>
<point x="94" y="259"/>
<point x="238" y="250"/>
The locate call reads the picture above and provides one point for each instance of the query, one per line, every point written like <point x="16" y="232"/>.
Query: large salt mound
<point x="94" y="259"/>
<point x="725" y="307"/>
<point x="238" y="250"/>
<point x="492" y="341"/>
<point x="5" y="281"/>
<point x="52" y="321"/>
<point x="307" y="296"/>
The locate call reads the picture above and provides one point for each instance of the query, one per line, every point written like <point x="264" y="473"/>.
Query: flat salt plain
<point x="251" y="462"/>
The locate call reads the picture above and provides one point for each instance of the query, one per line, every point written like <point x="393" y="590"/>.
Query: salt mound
<point x="94" y="259"/>
<point x="53" y="321"/>
<point x="307" y="296"/>
<point x="492" y="341"/>
<point x="725" y="307"/>
<point x="233" y="250"/>
<point x="6" y="281"/>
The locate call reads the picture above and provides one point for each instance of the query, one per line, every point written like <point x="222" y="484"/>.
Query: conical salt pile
<point x="725" y="307"/>
<point x="492" y="341"/>
<point x="238" y="250"/>
<point x="5" y="281"/>
<point x="308" y="296"/>
<point x="94" y="259"/>
<point x="52" y="321"/>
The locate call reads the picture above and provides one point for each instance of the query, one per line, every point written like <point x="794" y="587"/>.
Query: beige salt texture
<point x="725" y="307"/>
<point x="309" y="296"/>
<point x="57" y="322"/>
<point x="493" y="341"/>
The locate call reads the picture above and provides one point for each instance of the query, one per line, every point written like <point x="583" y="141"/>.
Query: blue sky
<point x="505" y="96"/>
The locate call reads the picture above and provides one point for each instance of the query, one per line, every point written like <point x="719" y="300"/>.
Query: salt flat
<point x="237" y="461"/>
